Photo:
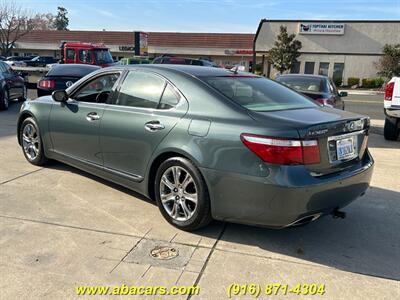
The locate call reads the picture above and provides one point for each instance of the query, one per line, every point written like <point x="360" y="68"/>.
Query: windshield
<point x="103" y="56"/>
<point x="259" y="94"/>
<point x="302" y="83"/>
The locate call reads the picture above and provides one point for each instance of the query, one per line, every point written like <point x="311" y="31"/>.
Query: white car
<point x="392" y="109"/>
<point x="15" y="63"/>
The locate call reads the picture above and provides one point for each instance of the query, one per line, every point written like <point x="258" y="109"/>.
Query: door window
<point x="141" y="89"/>
<point x="71" y="54"/>
<point x="85" y="56"/>
<point x="91" y="91"/>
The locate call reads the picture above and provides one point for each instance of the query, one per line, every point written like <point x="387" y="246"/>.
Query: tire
<point x="24" y="95"/>
<point x="4" y="99"/>
<point x="30" y="141"/>
<point x="391" y="130"/>
<point x="196" y="215"/>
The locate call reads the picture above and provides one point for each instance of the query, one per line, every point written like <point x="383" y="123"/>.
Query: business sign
<point x="238" y="52"/>
<point x="126" y="48"/>
<point x="321" y="28"/>
<point x="141" y="43"/>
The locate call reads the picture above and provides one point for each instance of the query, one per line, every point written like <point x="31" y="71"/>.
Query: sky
<point x="207" y="15"/>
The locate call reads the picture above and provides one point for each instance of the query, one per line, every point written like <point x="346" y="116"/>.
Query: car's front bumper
<point x="268" y="202"/>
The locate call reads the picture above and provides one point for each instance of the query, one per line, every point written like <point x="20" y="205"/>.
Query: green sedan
<point x="204" y="143"/>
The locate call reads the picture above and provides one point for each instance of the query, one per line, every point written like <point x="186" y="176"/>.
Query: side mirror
<point x="60" y="96"/>
<point x="343" y="94"/>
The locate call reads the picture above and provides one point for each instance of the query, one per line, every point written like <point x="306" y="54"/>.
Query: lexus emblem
<point x="69" y="83"/>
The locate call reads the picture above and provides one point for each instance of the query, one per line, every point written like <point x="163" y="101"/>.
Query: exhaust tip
<point x="305" y="220"/>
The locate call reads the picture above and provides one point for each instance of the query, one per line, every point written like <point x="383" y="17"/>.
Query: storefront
<point x="225" y="49"/>
<point x="338" y="49"/>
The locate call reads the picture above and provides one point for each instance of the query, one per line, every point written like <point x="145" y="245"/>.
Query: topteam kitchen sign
<point x="321" y="28"/>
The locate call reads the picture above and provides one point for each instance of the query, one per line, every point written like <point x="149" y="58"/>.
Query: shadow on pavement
<point x="366" y="242"/>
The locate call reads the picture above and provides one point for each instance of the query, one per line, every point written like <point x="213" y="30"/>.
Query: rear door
<point x="145" y="110"/>
<point x="337" y="100"/>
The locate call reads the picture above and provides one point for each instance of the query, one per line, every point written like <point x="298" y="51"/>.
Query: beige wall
<point x="358" y="48"/>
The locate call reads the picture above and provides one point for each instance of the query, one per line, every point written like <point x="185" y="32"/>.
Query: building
<point x="225" y="49"/>
<point x="339" y="49"/>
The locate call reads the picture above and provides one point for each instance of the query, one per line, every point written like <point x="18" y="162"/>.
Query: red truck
<point x="85" y="53"/>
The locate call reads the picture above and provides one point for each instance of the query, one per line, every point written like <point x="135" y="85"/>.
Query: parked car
<point x="40" y="61"/>
<point x="2" y="58"/>
<point x="320" y="88"/>
<point x="205" y="143"/>
<point x="62" y="76"/>
<point x="392" y="109"/>
<point x="134" y="61"/>
<point x="183" y="61"/>
<point x="12" y="86"/>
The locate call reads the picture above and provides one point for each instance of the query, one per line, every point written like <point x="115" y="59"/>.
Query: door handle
<point x="154" y="126"/>
<point x="92" y="116"/>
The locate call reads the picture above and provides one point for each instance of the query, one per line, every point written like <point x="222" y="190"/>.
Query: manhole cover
<point x="164" y="252"/>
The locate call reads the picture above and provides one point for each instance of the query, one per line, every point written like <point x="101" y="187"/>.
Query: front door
<point x="143" y="113"/>
<point x="75" y="124"/>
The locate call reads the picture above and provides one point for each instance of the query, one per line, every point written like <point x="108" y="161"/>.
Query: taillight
<point x="47" y="83"/>
<point x="282" y="151"/>
<point x="389" y="91"/>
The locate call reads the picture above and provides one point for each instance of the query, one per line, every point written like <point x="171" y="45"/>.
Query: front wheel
<point x="182" y="195"/>
<point x="391" y="130"/>
<point x="31" y="142"/>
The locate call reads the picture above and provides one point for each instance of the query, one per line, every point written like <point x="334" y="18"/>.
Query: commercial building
<point x="225" y="49"/>
<point x="339" y="49"/>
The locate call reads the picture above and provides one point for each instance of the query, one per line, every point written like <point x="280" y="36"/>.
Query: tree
<point x="61" y="21"/>
<point x="43" y="21"/>
<point x="15" y="22"/>
<point x="389" y="64"/>
<point x="285" y="51"/>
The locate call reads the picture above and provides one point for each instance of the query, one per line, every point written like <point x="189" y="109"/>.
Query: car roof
<point x="197" y="71"/>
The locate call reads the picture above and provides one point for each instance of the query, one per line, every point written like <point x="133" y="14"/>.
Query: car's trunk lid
<point x="341" y="135"/>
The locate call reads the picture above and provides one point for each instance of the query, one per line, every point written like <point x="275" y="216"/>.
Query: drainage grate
<point x="164" y="252"/>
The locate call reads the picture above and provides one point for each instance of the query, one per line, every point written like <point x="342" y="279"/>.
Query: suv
<point x="183" y="61"/>
<point x="392" y="109"/>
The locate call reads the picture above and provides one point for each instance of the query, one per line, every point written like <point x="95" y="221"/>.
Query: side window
<point x="7" y="69"/>
<point x="71" y="54"/>
<point x="2" y="67"/>
<point x="169" y="99"/>
<point x="91" y="91"/>
<point x="85" y="56"/>
<point x="141" y="89"/>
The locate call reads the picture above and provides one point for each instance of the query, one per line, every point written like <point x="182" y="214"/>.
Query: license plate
<point x="345" y="148"/>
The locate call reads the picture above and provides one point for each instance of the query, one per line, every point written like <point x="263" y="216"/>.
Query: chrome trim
<point x="299" y="221"/>
<point x="343" y="136"/>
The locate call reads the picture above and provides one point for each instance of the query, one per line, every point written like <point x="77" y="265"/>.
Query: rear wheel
<point x="4" y="99"/>
<point x="182" y="194"/>
<point x="31" y="141"/>
<point x="391" y="130"/>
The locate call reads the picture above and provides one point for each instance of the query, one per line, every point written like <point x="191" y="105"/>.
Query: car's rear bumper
<point x="393" y="112"/>
<point x="43" y="92"/>
<point x="264" y="201"/>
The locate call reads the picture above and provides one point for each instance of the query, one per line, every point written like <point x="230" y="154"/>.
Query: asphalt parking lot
<point x="60" y="228"/>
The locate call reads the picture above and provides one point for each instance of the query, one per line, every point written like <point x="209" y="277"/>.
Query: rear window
<point x="259" y="94"/>
<point x="307" y="84"/>
<point x="71" y="70"/>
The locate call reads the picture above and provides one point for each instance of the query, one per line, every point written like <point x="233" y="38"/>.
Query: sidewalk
<point x="361" y="92"/>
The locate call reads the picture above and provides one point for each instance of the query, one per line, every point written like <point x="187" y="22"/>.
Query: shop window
<point x="338" y="73"/>
<point x="323" y="68"/>
<point x="295" y="69"/>
<point x="309" y="67"/>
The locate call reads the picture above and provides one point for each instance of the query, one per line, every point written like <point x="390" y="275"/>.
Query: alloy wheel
<point x="178" y="193"/>
<point x="30" y="141"/>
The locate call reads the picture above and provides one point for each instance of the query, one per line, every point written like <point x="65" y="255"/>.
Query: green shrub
<point x="379" y="81"/>
<point x="368" y="83"/>
<point x="337" y="81"/>
<point x="353" y="81"/>
<point x="376" y="82"/>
